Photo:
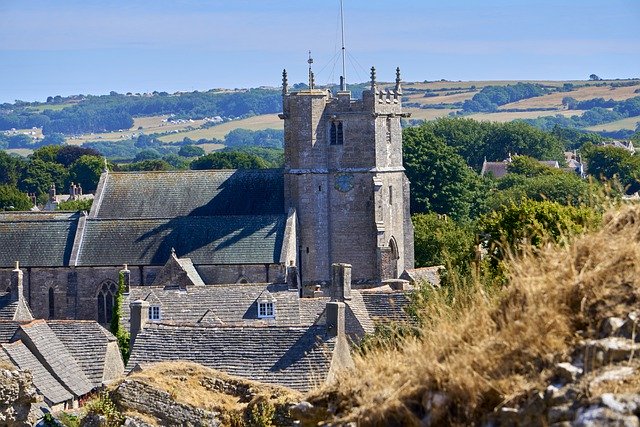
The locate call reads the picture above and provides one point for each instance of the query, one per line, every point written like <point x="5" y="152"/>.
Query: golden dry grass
<point x="554" y="100"/>
<point x="482" y="351"/>
<point x="507" y="116"/>
<point x="628" y="123"/>
<point x="427" y="114"/>
<point x="265" y="121"/>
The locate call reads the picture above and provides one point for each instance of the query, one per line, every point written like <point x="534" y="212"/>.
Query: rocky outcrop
<point x="600" y="385"/>
<point x="17" y="394"/>
<point x="146" y="399"/>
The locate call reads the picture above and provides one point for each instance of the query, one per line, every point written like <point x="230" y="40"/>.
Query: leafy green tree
<point x="511" y="226"/>
<point x="86" y="171"/>
<point x="39" y="175"/>
<point x="70" y="153"/>
<point x="440" y="240"/>
<point x="609" y="162"/>
<point x="229" y="160"/>
<point x="147" y="154"/>
<point x="53" y="139"/>
<point x="48" y="153"/>
<point x="176" y="161"/>
<point x="13" y="199"/>
<point x="76" y="205"/>
<point x="441" y="180"/>
<point x="530" y="167"/>
<point x="147" y="165"/>
<point x="11" y="168"/>
<point x="191" y="151"/>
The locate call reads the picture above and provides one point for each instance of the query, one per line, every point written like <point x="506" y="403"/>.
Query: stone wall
<point x="17" y="393"/>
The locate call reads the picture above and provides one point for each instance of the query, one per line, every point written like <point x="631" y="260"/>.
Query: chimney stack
<point x="126" y="274"/>
<point x="16" y="283"/>
<point x="138" y="320"/>
<point x="335" y="319"/>
<point x="341" y="281"/>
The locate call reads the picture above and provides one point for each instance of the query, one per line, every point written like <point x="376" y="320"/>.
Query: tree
<point x="53" y="139"/>
<point x="12" y="199"/>
<point x="39" y="175"/>
<point x="70" y="153"/>
<point x="11" y="168"/>
<point x="441" y="180"/>
<point x="512" y="226"/>
<point x="608" y="162"/>
<point x="76" y="205"/>
<point x="594" y="77"/>
<point x="530" y="167"/>
<point x="440" y="240"/>
<point x="147" y="154"/>
<point x="48" y="153"/>
<point x="86" y="171"/>
<point x="191" y="151"/>
<point x="229" y="160"/>
<point x="148" y="165"/>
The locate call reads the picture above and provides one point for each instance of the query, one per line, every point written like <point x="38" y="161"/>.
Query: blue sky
<point x="94" y="46"/>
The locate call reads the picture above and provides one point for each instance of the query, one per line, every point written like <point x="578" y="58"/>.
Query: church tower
<point x="344" y="177"/>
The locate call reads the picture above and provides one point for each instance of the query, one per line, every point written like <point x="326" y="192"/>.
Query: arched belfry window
<point x="336" y="133"/>
<point x="395" y="256"/>
<point x="106" y="300"/>
<point x="52" y="304"/>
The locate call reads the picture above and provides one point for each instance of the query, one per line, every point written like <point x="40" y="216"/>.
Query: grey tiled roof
<point x="44" y="382"/>
<point x="39" y="337"/>
<point x="242" y="239"/>
<point x="227" y="304"/>
<point x="36" y="239"/>
<point x="386" y="306"/>
<point x="417" y="275"/>
<point x="178" y="272"/>
<point x="196" y="193"/>
<point x="7" y="329"/>
<point x="87" y="342"/>
<point x="292" y="357"/>
<point x="11" y="309"/>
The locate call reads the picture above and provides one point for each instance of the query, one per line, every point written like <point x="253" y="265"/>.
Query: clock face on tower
<point x="344" y="182"/>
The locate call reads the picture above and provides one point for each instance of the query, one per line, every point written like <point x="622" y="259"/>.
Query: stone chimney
<point x="126" y="273"/>
<point x="139" y="318"/>
<point x="16" y="283"/>
<point x="335" y="319"/>
<point x="52" y="193"/>
<point x="341" y="281"/>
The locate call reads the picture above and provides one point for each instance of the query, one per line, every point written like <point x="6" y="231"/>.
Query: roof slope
<point x="41" y="340"/>
<point x="37" y="239"/>
<point x="193" y="193"/>
<point x="227" y="304"/>
<point x="44" y="382"/>
<point x="206" y="240"/>
<point x="386" y="306"/>
<point x="87" y="342"/>
<point x="292" y="357"/>
<point x="7" y="330"/>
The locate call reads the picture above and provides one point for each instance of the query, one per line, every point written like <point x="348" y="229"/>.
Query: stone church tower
<point x="344" y="177"/>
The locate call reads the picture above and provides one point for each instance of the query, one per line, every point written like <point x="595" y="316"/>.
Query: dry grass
<point x="427" y="114"/>
<point x="628" y="123"/>
<point x="507" y="116"/>
<point x="185" y="382"/>
<point x="265" y="121"/>
<point x="481" y="351"/>
<point x="554" y="100"/>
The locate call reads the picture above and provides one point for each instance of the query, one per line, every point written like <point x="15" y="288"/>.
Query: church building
<point x="342" y="197"/>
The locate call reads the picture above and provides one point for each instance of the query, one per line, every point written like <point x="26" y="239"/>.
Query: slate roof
<point x="386" y="306"/>
<point x="37" y="239"/>
<point x="14" y="309"/>
<point x="7" y="330"/>
<point x="429" y="274"/>
<point x="39" y="337"/>
<point x="357" y="321"/>
<point x="298" y="358"/>
<point x="87" y="342"/>
<point x="221" y="304"/>
<point x="206" y="240"/>
<point x="497" y="169"/>
<point x="175" y="271"/>
<point x="193" y="193"/>
<point x="44" y="382"/>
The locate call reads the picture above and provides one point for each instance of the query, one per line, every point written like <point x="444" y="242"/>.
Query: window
<point x="106" y="301"/>
<point x="154" y="312"/>
<point x="336" y="134"/>
<point x="390" y="195"/>
<point x="388" y="129"/>
<point x="52" y="308"/>
<point x="266" y="309"/>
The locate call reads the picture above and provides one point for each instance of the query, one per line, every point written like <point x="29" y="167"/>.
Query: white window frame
<point x="266" y="309"/>
<point x="154" y="312"/>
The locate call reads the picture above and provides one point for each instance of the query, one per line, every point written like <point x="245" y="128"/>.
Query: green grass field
<point x="629" y="123"/>
<point x="265" y="121"/>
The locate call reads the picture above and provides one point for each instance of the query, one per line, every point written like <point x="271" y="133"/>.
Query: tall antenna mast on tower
<point x="343" y="78"/>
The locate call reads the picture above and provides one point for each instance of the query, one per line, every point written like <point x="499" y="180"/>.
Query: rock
<point x="608" y="350"/>
<point x="567" y="372"/>
<point x="612" y="374"/>
<point x="555" y="396"/>
<point x="595" y="416"/>
<point x="630" y="327"/>
<point x="557" y="414"/>
<point x="610" y="326"/>
<point x="17" y="393"/>
<point x="623" y="403"/>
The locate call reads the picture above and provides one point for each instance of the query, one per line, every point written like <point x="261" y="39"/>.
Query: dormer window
<point x="266" y="310"/>
<point x="154" y="312"/>
<point x="336" y="134"/>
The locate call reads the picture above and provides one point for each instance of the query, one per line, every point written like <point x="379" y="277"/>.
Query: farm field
<point x="265" y="121"/>
<point x="427" y="114"/>
<point x="629" y="123"/>
<point x="507" y="116"/>
<point x="554" y="100"/>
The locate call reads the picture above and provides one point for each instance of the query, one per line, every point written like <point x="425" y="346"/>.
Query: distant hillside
<point x="209" y="116"/>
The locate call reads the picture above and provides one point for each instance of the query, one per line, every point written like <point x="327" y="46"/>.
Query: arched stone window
<point x="395" y="255"/>
<point x="336" y="134"/>
<point x="106" y="301"/>
<point x="52" y="304"/>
